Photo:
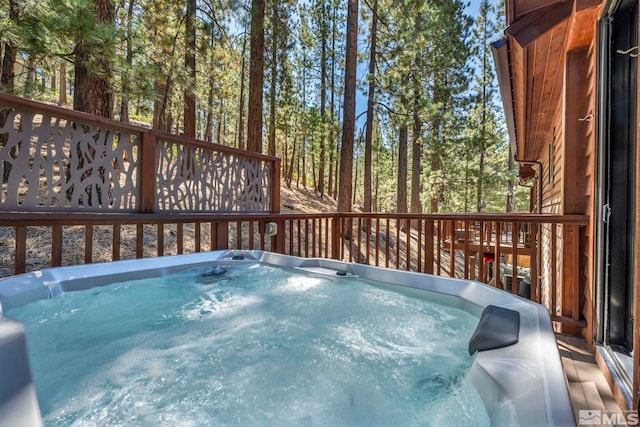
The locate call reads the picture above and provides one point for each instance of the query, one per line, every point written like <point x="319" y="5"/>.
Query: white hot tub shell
<point x="521" y="384"/>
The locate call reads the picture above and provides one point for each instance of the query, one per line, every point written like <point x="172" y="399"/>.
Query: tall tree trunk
<point x="483" y="124"/>
<point x="401" y="190"/>
<point x="292" y="160"/>
<point x="303" y="140"/>
<point x="271" y="150"/>
<point x="162" y="105"/>
<point x="7" y="83"/>
<point x="30" y="83"/>
<point x="323" y="96"/>
<point x="220" y="121"/>
<point x="332" y="132"/>
<point x="126" y="87"/>
<point x="189" y="114"/>
<point x="466" y="180"/>
<point x="7" y="76"/>
<point x="303" y="154"/>
<point x="368" y="139"/>
<point x="243" y="73"/>
<point x="256" y="77"/>
<point x="208" y="129"/>
<point x="435" y="149"/>
<point x="416" y="153"/>
<point x="92" y="89"/>
<point x="62" y="95"/>
<point x="349" y="113"/>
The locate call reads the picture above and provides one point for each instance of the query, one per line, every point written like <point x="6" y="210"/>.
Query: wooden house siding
<point x="551" y="176"/>
<point x="568" y="188"/>
<point x="588" y="233"/>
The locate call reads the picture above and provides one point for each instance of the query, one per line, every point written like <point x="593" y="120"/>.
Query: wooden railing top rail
<point x="39" y="218"/>
<point x="114" y="124"/>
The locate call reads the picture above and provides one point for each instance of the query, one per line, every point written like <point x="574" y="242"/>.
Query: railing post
<point x="275" y="187"/>
<point x="147" y="182"/>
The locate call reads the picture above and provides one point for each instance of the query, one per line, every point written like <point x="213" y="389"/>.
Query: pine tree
<point x="348" y="122"/>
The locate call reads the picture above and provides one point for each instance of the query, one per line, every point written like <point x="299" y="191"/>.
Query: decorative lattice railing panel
<point x="195" y="178"/>
<point x="54" y="159"/>
<point x="52" y="162"/>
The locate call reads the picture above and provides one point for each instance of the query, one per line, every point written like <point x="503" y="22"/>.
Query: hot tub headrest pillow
<point x="498" y="327"/>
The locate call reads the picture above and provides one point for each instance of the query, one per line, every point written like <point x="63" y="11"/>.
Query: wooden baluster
<point x="198" y="242"/>
<point x="252" y="235"/>
<point x="554" y="270"/>
<point x="313" y="237"/>
<point x="260" y="234"/>
<point x="139" y="241"/>
<point x="398" y="227"/>
<point x="419" y="268"/>
<point x="367" y="236"/>
<point x="515" y="286"/>
<point x="575" y="309"/>
<point x="88" y="244"/>
<point x="481" y="270"/>
<point x="306" y="238"/>
<point x="534" y="263"/>
<point x="291" y="226"/>
<point x="180" y="238"/>
<point x="115" y="245"/>
<point x="386" y="246"/>
<point x="20" y="261"/>
<point x="466" y="249"/>
<point x="452" y="249"/>
<point x="407" y="236"/>
<point x="497" y="279"/>
<point x="377" y="242"/>
<point x="319" y="238"/>
<point x="160" y="239"/>
<point x="439" y="249"/>
<point x="56" y="246"/>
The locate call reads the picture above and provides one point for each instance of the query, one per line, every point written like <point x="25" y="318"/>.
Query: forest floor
<point x="305" y="200"/>
<point x="294" y="200"/>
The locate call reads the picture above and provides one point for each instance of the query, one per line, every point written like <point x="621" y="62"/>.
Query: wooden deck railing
<point x="521" y="253"/>
<point x="81" y="189"/>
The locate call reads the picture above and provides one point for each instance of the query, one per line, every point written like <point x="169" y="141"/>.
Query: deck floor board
<point x="588" y="388"/>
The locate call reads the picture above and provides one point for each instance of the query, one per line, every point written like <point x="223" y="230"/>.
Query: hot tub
<point x="515" y="367"/>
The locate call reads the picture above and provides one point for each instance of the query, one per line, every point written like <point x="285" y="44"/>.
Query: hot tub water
<point x="254" y="345"/>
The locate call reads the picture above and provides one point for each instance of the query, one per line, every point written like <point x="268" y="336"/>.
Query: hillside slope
<point x="305" y="200"/>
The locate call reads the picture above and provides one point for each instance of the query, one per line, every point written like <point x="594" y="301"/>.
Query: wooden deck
<point x="588" y="387"/>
